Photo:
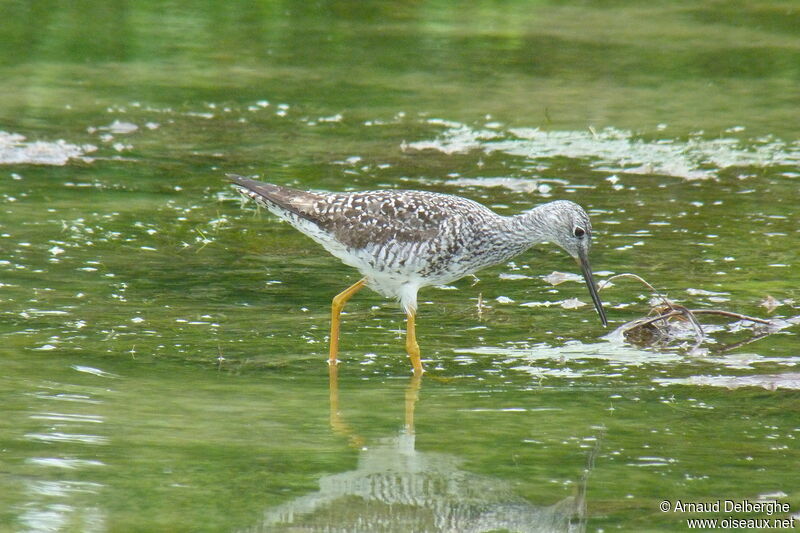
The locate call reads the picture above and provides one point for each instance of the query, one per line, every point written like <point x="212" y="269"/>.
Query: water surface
<point x="163" y="347"/>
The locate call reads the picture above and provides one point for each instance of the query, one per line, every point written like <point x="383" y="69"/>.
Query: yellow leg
<point x="336" y="309"/>
<point x="337" y="422"/>
<point x="411" y="345"/>
<point x="333" y="390"/>
<point x="412" y="395"/>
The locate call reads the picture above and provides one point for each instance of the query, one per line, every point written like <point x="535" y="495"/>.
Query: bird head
<point x="569" y="226"/>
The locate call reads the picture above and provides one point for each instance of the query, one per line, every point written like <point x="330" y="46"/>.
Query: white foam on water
<point x="788" y="380"/>
<point x="620" y="151"/>
<point x="16" y="150"/>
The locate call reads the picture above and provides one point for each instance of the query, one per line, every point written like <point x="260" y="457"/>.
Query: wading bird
<point x="402" y="241"/>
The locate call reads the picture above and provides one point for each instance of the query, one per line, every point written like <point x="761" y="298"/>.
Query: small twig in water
<point x="698" y="329"/>
<point x="731" y="315"/>
<point x="480" y="306"/>
<point x="605" y="282"/>
<point x="205" y="240"/>
<point x="220" y="358"/>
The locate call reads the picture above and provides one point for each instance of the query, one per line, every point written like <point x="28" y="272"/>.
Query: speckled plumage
<point x="403" y="240"/>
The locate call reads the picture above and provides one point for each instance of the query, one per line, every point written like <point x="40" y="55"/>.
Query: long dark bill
<point x="583" y="261"/>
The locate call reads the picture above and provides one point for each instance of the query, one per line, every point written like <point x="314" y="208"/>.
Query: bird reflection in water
<point x="397" y="488"/>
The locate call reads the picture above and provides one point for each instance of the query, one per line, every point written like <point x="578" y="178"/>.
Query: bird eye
<point x="579" y="232"/>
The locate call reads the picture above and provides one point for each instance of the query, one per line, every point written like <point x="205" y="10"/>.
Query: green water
<point x="163" y="347"/>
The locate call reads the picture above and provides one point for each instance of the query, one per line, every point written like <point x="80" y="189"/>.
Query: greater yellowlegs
<point x="402" y="241"/>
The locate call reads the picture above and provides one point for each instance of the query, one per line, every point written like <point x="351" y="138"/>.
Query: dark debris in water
<point x="669" y="323"/>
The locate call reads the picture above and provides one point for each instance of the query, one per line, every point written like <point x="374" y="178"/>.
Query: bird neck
<point x="532" y="226"/>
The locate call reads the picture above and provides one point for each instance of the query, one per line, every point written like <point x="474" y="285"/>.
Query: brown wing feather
<point x="362" y="218"/>
<point x="381" y="217"/>
<point x="294" y="201"/>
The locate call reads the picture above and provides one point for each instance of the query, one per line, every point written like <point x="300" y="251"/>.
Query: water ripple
<point x="68" y="437"/>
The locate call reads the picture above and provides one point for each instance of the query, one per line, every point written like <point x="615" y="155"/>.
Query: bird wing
<point x="278" y="198"/>
<point x="380" y="217"/>
<point x="359" y="219"/>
